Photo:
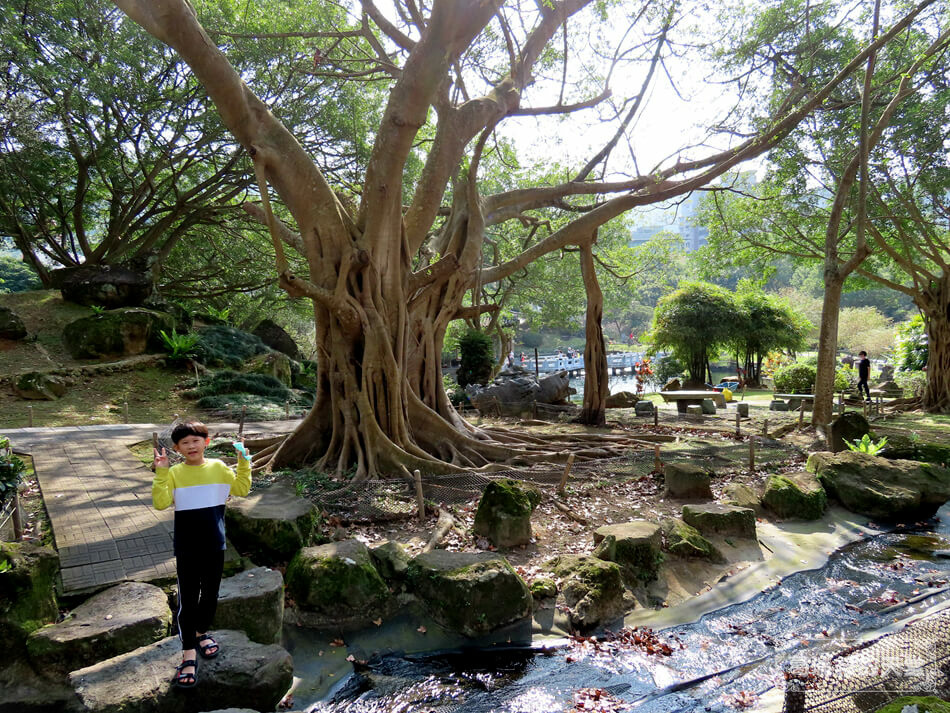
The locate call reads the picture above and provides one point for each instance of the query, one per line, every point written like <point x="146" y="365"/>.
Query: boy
<point x="864" y="374"/>
<point x="199" y="489"/>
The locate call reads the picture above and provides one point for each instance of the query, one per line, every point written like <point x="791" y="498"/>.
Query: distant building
<point x="680" y="223"/>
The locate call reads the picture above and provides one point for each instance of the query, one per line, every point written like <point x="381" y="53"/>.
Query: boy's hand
<point x="242" y="450"/>
<point x="161" y="459"/>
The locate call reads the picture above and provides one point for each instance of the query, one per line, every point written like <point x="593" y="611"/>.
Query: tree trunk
<point x="594" y="410"/>
<point x="827" y="349"/>
<point x="935" y="306"/>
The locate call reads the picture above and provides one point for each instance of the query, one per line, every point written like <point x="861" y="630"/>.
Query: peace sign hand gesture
<point x="161" y="459"/>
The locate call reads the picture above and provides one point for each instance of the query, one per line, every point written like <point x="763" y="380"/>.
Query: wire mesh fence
<point x="911" y="662"/>
<point x="392" y="499"/>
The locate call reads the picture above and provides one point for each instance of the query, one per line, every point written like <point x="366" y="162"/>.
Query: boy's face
<point x="193" y="448"/>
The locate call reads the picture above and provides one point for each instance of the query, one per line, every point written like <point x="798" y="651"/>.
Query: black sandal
<point x="203" y="650"/>
<point x="186" y="680"/>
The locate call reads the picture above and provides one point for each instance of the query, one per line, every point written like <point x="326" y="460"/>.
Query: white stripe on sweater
<point x="194" y="497"/>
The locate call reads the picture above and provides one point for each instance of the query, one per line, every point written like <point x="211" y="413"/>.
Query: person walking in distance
<point x="864" y="373"/>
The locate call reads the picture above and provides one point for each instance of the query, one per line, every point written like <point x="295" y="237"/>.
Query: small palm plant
<point x="179" y="346"/>
<point x="866" y="445"/>
<point x="12" y="468"/>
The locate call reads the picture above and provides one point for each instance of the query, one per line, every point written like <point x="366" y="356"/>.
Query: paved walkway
<point x="99" y="499"/>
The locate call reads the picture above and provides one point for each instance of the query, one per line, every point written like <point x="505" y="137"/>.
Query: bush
<point x="795" y="378"/>
<point x="914" y="383"/>
<point x="666" y="368"/>
<point x="846" y="378"/>
<point x="477" y="358"/>
<point x="912" y="350"/>
<point x="227" y="346"/>
<point x="532" y="340"/>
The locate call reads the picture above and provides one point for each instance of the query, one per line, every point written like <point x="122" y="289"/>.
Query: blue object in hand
<point x="239" y="447"/>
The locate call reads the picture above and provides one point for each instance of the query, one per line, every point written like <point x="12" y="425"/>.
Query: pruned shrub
<point x="477" y="358"/>
<point x="232" y="382"/>
<point x="797" y="378"/>
<point x="913" y="383"/>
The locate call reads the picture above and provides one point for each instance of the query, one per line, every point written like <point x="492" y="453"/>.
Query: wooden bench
<point x="693" y="398"/>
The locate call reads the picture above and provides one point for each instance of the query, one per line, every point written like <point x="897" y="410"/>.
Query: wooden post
<point x="17" y="522"/>
<point x="287" y="408"/>
<point x="567" y="472"/>
<point x="752" y="453"/>
<point x="536" y="363"/>
<point x="155" y="440"/>
<point x="228" y="414"/>
<point x="29" y="410"/>
<point x="801" y="414"/>
<point x="840" y="402"/>
<point x="420" y="501"/>
<point x="241" y="422"/>
<point x="657" y="463"/>
<point x="765" y="428"/>
<point x="125" y="408"/>
<point x="738" y="425"/>
<point x="656" y="416"/>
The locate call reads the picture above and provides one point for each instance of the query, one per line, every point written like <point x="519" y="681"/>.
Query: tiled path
<point x="99" y="499"/>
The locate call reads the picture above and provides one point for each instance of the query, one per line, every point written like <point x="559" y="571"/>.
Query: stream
<point x="727" y="660"/>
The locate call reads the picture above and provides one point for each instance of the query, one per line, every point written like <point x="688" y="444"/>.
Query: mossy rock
<point x="741" y="495"/>
<point x="634" y="545"/>
<point x="338" y="583"/>
<point x="543" y="588"/>
<point x="118" y="332"/>
<point x="886" y="490"/>
<point x="271" y="364"/>
<point x="11" y="326"/>
<point x="686" y="481"/>
<point x="224" y="346"/>
<point x="795" y="496"/>
<point x="114" y="621"/>
<point x="39" y="386"/>
<point x="717" y="519"/>
<point x="27" y="593"/>
<point x="685" y="540"/>
<point x="391" y="560"/>
<point x="591" y="588"/>
<point x="925" y="704"/>
<point x="253" y="602"/>
<point x="901" y="447"/>
<point x="272" y="523"/>
<point x="471" y="593"/>
<point x="504" y="512"/>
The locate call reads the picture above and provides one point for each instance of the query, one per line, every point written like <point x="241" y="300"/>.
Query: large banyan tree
<point x="390" y="270"/>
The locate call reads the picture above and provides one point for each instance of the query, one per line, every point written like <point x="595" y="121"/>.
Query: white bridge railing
<point x="549" y="364"/>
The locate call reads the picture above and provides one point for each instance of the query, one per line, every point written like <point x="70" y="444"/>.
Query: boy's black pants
<point x="863" y="388"/>
<point x="199" y="576"/>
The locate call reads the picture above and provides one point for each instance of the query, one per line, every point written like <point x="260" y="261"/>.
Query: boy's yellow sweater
<point x="199" y="493"/>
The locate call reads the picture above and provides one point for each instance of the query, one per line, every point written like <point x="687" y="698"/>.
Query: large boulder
<point x="11" y="326"/>
<point x="244" y="674"/>
<point x="686" y="481"/>
<point x="253" y="602"/>
<point x="889" y="490"/>
<point x="274" y="336"/>
<point x="515" y="388"/>
<point x="103" y="285"/>
<point x="795" y="496"/>
<point x="271" y="524"/>
<point x="336" y="585"/>
<point x="685" y="540"/>
<point x="119" y="332"/>
<point x="27" y="593"/>
<point x="849" y="426"/>
<point x="36" y="385"/>
<point x="591" y="590"/>
<point x="622" y="399"/>
<point x="718" y="519"/>
<point x="471" y="593"/>
<point x="272" y="364"/>
<point x="119" y="619"/>
<point x="634" y="545"/>
<point x="504" y="512"/>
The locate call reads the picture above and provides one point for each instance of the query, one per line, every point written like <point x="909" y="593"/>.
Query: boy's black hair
<point x="189" y="428"/>
<point x="862" y="353"/>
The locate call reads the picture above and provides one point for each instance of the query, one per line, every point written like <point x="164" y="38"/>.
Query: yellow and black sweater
<point x="199" y="493"/>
